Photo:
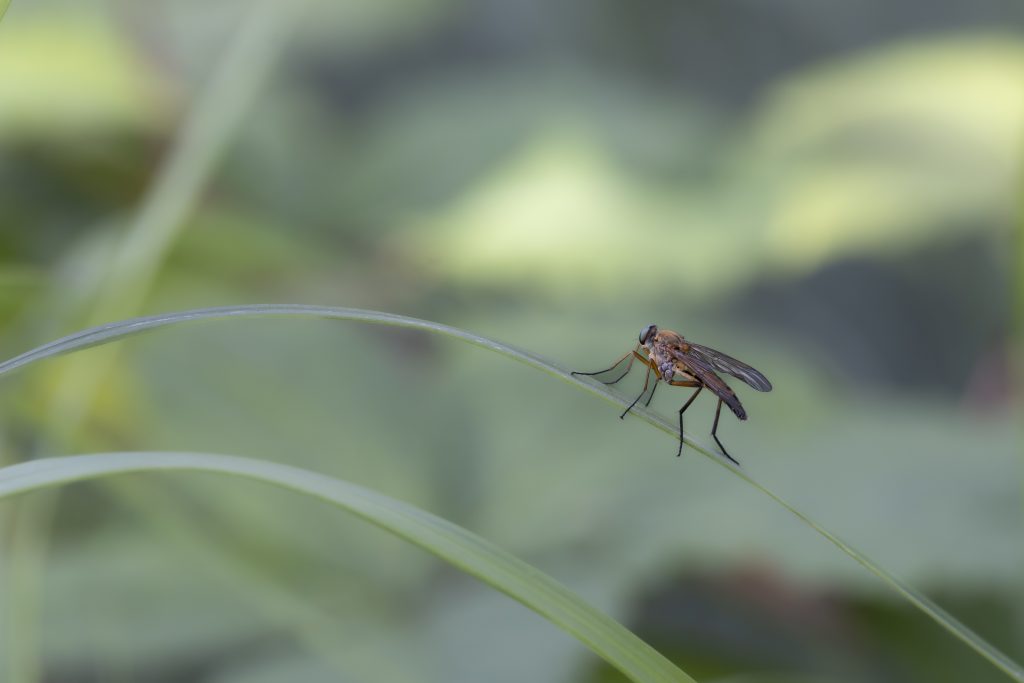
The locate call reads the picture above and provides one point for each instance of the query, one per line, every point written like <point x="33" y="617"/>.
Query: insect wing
<point x="705" y="372"/>
<point x="723" y="363"/>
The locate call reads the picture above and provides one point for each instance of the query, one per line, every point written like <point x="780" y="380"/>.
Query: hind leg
<point x="714" y="433"/>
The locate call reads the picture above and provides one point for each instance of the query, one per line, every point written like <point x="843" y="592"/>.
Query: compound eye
<point x="647" y="333"/>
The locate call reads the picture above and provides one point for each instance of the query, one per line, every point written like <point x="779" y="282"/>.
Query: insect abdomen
<point x="734" y="404"/>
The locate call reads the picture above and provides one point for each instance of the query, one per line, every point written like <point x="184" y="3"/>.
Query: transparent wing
<point x="727" y="364"/>
<point x="705" y="372"/>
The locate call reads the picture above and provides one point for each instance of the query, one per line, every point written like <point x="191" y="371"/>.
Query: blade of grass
<point x="198" y="145"/>
<point x="206" y="131"/>
<point x="118" y="330"/>
<point x="352" y="650"/>
<point x="472" y="554"/>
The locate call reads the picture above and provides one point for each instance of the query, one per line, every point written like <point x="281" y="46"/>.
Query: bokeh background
<point x="829" y="191"/>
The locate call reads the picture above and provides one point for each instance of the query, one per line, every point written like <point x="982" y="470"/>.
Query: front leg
<point x="632" y="355"/>
<point x="647" y="379"/>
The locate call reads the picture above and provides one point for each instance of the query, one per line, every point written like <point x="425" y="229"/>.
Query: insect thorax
<point x="663" y="362"/>
<point x="667" y="368"/>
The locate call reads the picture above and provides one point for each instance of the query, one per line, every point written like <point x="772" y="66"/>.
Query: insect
<point x="681" y="363"/>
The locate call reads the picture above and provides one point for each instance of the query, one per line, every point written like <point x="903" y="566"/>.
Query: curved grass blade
<point x="117" y="330"/>
<point x="206" y="130"/>
<point x="463" y="549"/>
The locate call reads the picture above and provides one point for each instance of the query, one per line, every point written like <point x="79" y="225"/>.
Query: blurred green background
<point x="831" y="192"/>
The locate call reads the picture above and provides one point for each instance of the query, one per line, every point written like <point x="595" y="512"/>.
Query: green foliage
<point x="454" y="544"/>
<point x="81" y="63"/>
<point x="829" y="195"/>
<point x="113" y="331"/>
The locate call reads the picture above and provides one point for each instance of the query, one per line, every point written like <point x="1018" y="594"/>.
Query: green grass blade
<point x="117" y="330"/>
<point x="207" y="129"/>
<point x="463" y="549"/>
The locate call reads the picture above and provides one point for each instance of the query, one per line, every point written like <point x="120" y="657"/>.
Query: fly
<point x="681" y="363"/>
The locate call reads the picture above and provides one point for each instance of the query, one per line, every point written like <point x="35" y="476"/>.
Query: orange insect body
<point x="681" y="363"/>
<point x="668" y="353"/>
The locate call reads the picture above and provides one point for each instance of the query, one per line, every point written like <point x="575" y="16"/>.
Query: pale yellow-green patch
<point x="69" y="74"/>
<point x="881" y="151"/>
<point x="563" y="217"/>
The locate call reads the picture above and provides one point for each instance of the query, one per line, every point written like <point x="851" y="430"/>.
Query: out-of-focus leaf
<point x="968" y="87"/>
<point x="275" y="666"/>
<point x="143" y="601"/>
<point x="553" y="217"/>
<point x="239" y="249"/>
<point x="888" y="149"/>
<point x="451" y="628"/>
<point x="18" y="284"/>
<point x="353" y="28"/>
<point x="871" y="153"/>
<point x="212" y="576"/>
<point x="67" y="74"/>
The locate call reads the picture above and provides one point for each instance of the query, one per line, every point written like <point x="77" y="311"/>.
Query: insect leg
<point x="683" y="410"/>
<point x="650" y="364"/>
<point x="714" y="433"/>
<point x="647" y="378"/>
<point x="614" y="365"/>
<point x="651" y="395"/>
